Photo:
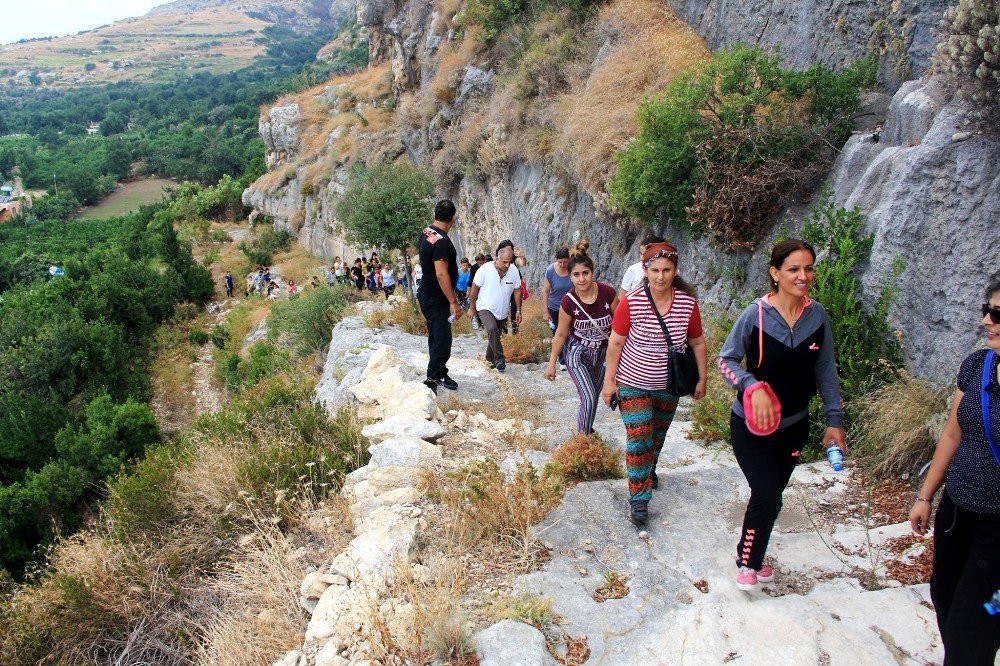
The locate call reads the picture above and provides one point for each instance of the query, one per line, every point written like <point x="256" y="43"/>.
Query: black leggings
<point x="966" y="574"/>
<point x="767" y="463"/>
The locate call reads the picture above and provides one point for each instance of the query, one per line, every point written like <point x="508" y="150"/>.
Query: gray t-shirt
<point x="559" y="287"/>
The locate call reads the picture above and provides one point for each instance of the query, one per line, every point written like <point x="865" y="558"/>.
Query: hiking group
<point x="641" y="348"/>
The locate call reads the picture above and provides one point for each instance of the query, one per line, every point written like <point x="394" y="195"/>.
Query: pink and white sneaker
<point x="765" y="574"/>
<point x="746" y="579"/>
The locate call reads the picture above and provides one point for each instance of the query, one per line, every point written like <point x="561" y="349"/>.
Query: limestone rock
<point x="403" y="425"/>
<point x="279" y="129"/>
<point x="328" y="656"/>
<point x="399" y="496"/>
<point x="537" y="459"/>
<point x="511" y="643"/>
<point x="292" y="658"/>
<point x="379" y="480"/>
<point x="385" y="539"/>
<point x="405" y="452"/>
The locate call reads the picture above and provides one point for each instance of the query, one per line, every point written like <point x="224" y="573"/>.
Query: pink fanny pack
<point x="748" y="409"/>
<point x="760" y="386"/>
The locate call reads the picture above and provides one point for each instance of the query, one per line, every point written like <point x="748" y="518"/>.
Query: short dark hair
<point x="562" y="253"/>
<point x="650" y="239"/>
<point x="505" y="243"/>
<point x="444" y="211"/>
<point x="993" y="288"/>
<point x="480" y="257"/>
<point x="782" y="251"/>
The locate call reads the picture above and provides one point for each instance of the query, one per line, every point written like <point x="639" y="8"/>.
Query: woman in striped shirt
<point x="637" y="366"/>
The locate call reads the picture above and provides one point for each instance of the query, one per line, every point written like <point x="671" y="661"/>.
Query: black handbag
<point x="682" y="366"/>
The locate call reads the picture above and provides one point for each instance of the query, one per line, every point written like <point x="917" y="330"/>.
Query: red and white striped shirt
<point x="643" y="363"/>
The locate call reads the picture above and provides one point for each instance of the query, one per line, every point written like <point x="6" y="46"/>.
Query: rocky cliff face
<point x="928" y="187"/>
<point x="828" y="32"/>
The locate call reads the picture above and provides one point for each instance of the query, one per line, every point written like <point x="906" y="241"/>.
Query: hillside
<point x="177" y="39"/>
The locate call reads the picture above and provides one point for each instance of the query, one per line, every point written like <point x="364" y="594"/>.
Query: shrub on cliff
<point x="727" y="144"/>
<point x="970" y="47"/>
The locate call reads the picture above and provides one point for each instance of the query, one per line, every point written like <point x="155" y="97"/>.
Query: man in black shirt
<point x="436" y="295"/>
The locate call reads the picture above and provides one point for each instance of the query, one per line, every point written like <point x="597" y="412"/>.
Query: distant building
<point x="12" y="199"/>
<point x="93" y="128"/>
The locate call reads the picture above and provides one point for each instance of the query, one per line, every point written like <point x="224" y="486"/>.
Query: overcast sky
<point x="20" y="19"/>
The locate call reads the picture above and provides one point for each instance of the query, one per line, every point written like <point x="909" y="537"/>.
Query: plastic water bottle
<point x="451" y="318"/>
<point x="993" y="605"/>
<point x="836" y="458"/>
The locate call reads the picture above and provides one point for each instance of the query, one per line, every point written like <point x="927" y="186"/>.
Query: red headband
<point x="658" y="250"/>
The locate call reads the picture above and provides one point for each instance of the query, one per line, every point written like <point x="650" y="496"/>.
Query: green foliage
<point x="727" y="144"/>
<point x="387" y="206"/>
<point x="970" y="47"/>
<point x="260" y="251"/>
<point x="183" y="514"/>
<point x="868" y="354"/>
<point x="497" y="17"/>
<point x="264" y="359"/>
<point x="304" y="324"/>
<point x="197" y="337"/>
<point x="219" y="335"/>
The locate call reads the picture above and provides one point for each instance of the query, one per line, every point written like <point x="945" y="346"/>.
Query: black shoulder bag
<point x="682" y="367"/>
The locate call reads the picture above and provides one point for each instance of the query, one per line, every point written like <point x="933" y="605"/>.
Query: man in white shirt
<point x="634" y="274"/>
<point x="490" y="297"/>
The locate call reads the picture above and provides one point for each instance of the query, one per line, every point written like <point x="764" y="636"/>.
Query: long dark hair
<point x="782" y="251"/>
<point x="993" y="288"/>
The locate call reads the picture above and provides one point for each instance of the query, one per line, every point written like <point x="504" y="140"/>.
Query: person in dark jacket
<point x="966" y="569"/>
<point x="788" y="345"/>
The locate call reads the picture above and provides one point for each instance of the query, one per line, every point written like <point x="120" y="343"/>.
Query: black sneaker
<point x="448" y="383"/>
<point x="640" y="512"/>
<point x="431" y="384"/>
<point x="500" y="367"/>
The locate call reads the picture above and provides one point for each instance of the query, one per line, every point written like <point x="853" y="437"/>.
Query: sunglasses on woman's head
<point x="994" y="313"/>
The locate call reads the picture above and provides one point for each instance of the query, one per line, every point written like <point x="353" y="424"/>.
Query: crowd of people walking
<point x="640" y="348"/>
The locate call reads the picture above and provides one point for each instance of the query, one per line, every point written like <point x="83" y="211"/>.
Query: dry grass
<point x="532" y="343"/>
<point x="587" y="458"/>
<point x="195" y="558"/>
<point x="650" y="46"/>
<point x="899" y="424"/>
<point x="171" y="377"/>
<point x="494" y="514"/>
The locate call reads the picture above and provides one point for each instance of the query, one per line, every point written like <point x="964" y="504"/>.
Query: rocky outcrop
<point x="832" y="32"/>
<point x="928" y="183"/>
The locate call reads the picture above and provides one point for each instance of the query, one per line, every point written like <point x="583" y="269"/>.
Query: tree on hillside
<point x="387" y="207"/>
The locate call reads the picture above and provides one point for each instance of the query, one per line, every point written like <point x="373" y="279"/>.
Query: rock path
<point x="682" y="606"/>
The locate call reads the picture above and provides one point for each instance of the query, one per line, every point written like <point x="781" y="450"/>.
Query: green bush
<point x="197" y="337"/>
<point x="304" y="324"/>
<point x="219" y="336"/>
<point x="726" y="145"/>
<point x="261" y="251"/>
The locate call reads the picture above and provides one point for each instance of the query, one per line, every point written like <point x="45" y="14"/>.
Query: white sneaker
<point x="562" y="367"/>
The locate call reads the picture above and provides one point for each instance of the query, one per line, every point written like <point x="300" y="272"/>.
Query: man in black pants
<point x="436" y="295"/>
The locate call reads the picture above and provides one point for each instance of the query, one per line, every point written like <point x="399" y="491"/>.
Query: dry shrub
<point x="587" y="458"/>
<point x="496" y="514"/>
<point x="405" y="316"/>
<point x="899" y="424"/>
<point x="533" y="340"/>
<point x="650" y="46"/>
<point x="435" y="627"/>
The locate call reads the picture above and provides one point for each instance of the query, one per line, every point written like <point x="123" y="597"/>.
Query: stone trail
<point x="682" y="606"/>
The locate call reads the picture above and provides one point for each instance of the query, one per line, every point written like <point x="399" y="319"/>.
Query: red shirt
<point x="585" y="331"/>
<point x="643" y="363"/>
